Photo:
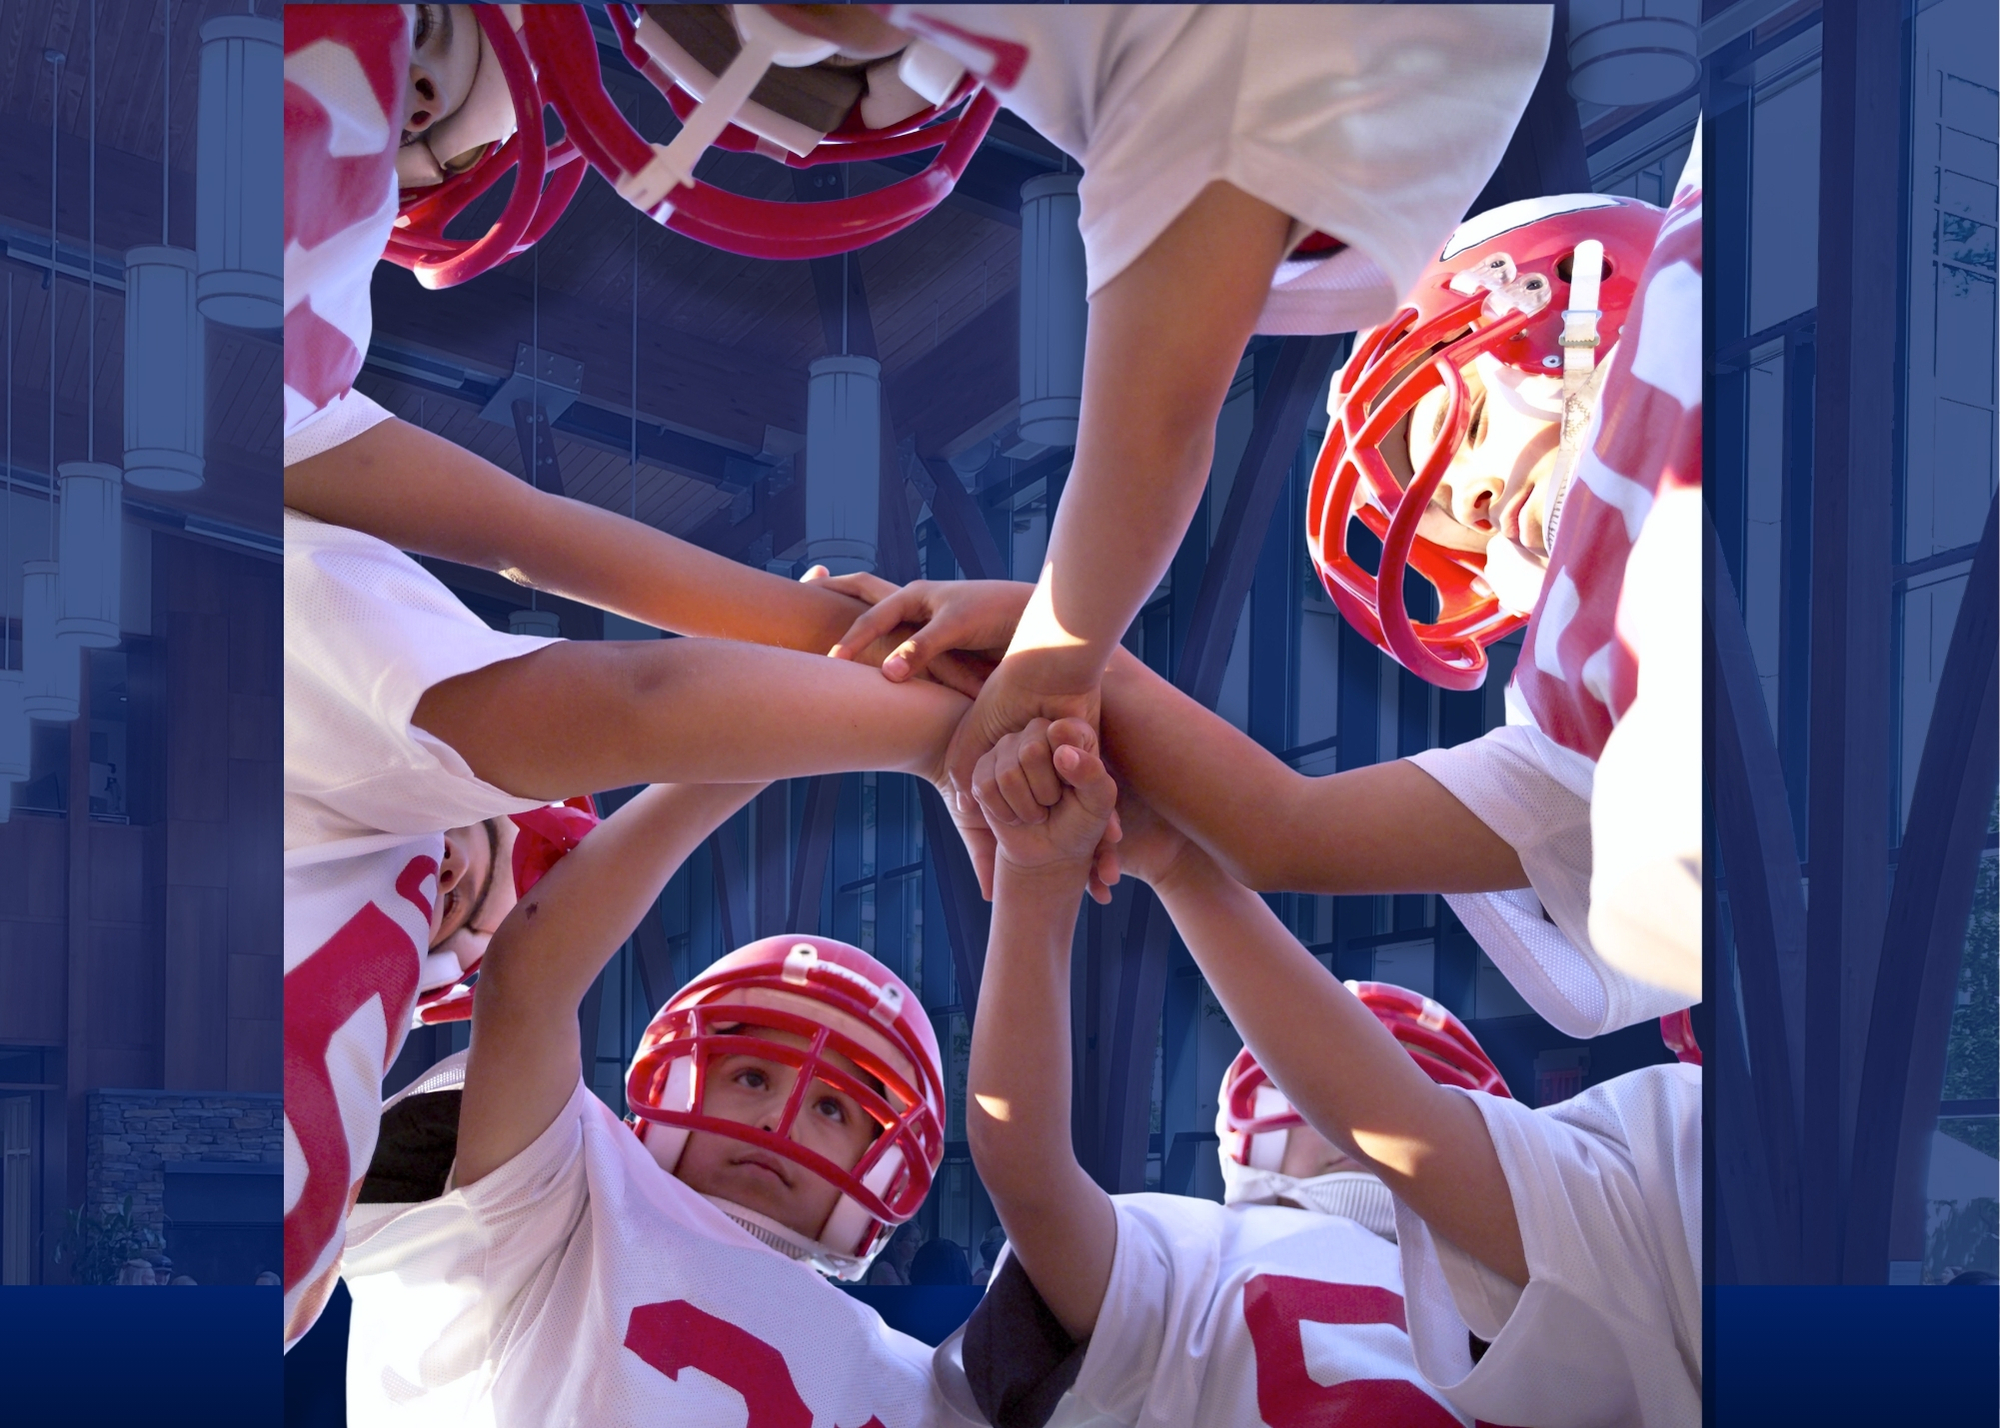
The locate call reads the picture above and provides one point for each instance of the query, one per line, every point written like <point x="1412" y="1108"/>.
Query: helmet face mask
<point x="1485" y="324"/>
<point x="848" y="1026"/>
<point x="547" y="57"/>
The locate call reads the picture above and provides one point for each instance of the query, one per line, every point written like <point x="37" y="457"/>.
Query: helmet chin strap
<point x="1579" y="342"/>
<point x="766" y="42"/>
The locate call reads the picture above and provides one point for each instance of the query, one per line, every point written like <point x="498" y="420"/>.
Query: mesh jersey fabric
<point x="1607" y="1331"/>
<point x="1645" y="908"/>
<point x="1245" y="1314"/>
<point x="355" y="931"/>
<point x="367" y="796"/>
<point x="579" y="1283"/>
<point x="1376" y="125"/>
<point x="345" y="71"/>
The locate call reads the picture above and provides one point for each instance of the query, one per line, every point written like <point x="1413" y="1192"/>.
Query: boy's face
<point x="1308" y="1153"/>
<point x="475" y="887"/>
<point x="444" y="58"/>
<point x="753" y="1090"/>
<point x="1497" y="483"/>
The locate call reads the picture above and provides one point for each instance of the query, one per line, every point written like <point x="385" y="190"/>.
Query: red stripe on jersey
<point x="369" y="958"/>
<point x="1643" y="436"/>
<point x="320" y="361"/>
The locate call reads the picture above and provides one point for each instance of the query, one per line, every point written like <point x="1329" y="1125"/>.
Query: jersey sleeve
<point x="1538" y="797"/>
<point x="1163" y="1290"/>
<point x="345" y="68"/>
<point x="367" y="631"/>
<point x="438" y="1288"/>
<point x="1375" y="125"/>
<point x="1607" y="1190"/>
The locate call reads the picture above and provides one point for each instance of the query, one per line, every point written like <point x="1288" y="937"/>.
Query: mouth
<point x="765" y="1165"/>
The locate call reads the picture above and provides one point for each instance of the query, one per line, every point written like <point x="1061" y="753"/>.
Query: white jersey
<point x="367" y="798"/>
<point x="1607" y="1332"/>
<point x="1623" y="584"/>
<point x="345" y="71"/>
<point x="1247" y="1314"/>
<point x="1377" y="126"/>
<point x="581" y="1284"/>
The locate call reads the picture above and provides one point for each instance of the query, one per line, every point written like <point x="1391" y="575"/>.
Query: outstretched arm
<point x="1060" y="1223"/>
<point x="1334" y="1061"/>
<point x="525" y="1057"/>
<point x="1166" y="336"/>
<point x="422" y="493"/>
<point x="1387" y="828"/>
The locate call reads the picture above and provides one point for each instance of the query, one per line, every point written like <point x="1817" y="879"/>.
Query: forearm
<point x="543" y="958"/>
<point x="583" y="716"/>
<point x="422" y="493"/>
<point x="1386" y="828"/>
<point x="1061" y="1225"/>
<point x="1166" y="336"/>
<point x="1340" y="1068"/>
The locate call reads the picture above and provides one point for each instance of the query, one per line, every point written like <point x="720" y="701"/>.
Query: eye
<point x="425" y="25"/>
<point x="751" y="1079"/>
<point x="831" y="1108"/>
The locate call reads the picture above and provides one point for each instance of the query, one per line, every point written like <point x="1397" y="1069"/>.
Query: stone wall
<point x="134" y="1138"/>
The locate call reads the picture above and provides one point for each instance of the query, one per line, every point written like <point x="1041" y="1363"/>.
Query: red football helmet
<point x="843" y="1001"/>
<point x="1500" y="287"/>
<point x="1254" y="1113"/>
<point x="546" y="835"/>
<point x="1677" y="1030"/>
<point x="916" y="100"/>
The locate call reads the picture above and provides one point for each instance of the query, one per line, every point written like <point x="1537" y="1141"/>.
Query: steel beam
<point x="1861" y="181"/>
<point x="1753" y="827"/>
<point x="1916" y="983"/>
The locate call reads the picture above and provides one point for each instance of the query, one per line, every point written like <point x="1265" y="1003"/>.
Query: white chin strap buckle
<point x="766" y="42"/>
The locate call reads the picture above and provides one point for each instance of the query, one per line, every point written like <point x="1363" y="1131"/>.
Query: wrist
<point x="1061" y="880"/>
<point x="1192" y="872"/>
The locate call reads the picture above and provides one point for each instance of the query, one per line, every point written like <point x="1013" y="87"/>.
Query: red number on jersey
<point x="369" y="957"/>
<point x="1287" y="1397"/>
<point x="675" y="1335"/>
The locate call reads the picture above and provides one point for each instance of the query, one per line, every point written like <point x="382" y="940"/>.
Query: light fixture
<point x="545" y="624"/>
<point x="49" y="664"/>
<point x="166" y="367"/>
<point x="1053" y="310"/>
<point x="165" y="377"/>
<point x="843" y="462"/>
<point x="238" y="233"/>
<point x="92" y="543"/>
<point x="92" y="547"/>
<point x="14" y="750"/>
<point x="1632" y="52"/>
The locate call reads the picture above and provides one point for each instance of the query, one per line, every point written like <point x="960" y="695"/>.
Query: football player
<point x="405" y="714"/>
<point x="523" y="1256"/>
<point x="1203" y="1307"/>
<point x="1567" y="1239"/>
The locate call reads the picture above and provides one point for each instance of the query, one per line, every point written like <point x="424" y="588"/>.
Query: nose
<point x="421" y="102"/>
<point x="452" y="871"/>
<point x="1472" y="498"/>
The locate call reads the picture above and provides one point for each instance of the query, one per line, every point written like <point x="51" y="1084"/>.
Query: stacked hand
<point x="1050" y="803"/>
<point x="956" y="632"/>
